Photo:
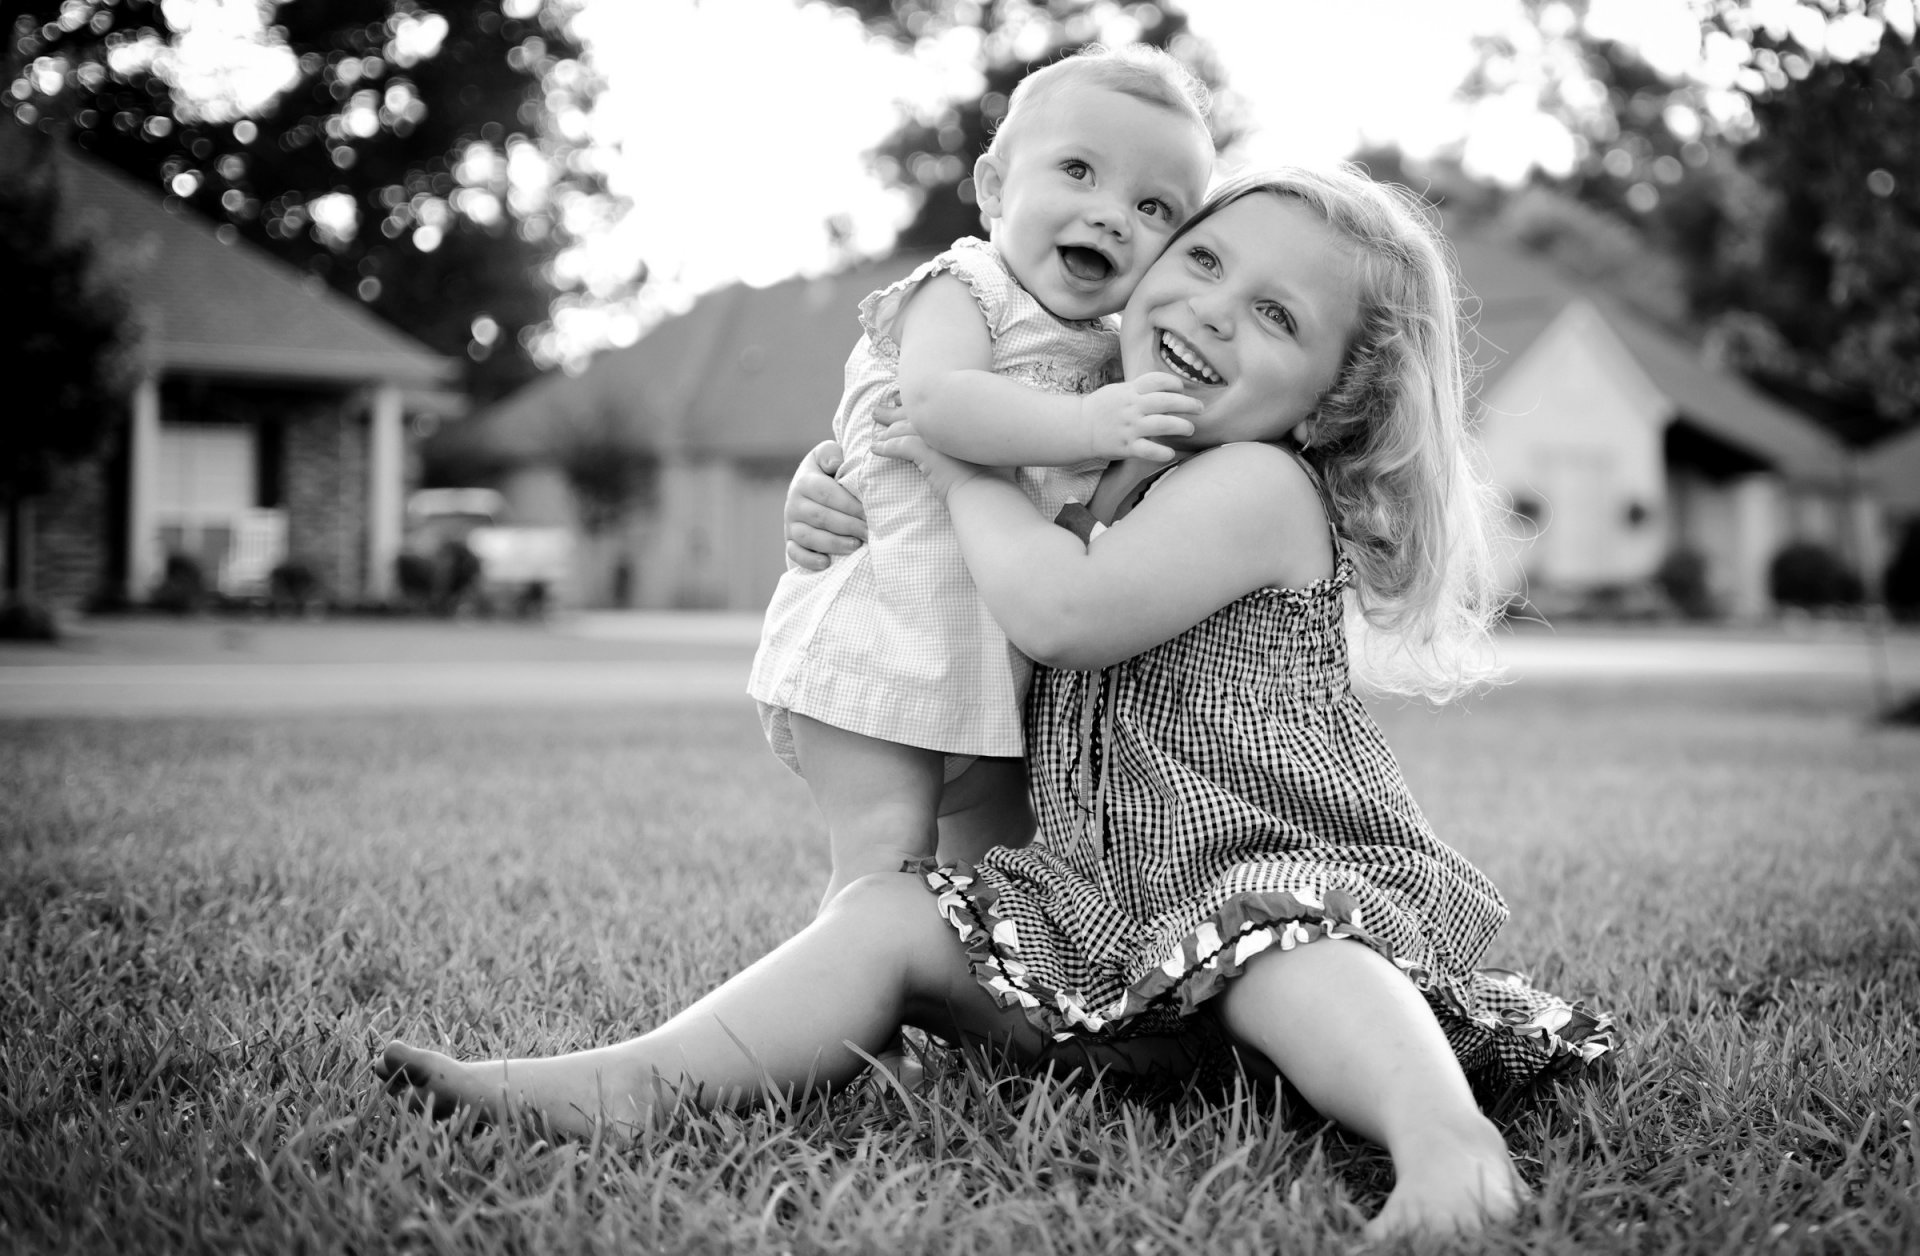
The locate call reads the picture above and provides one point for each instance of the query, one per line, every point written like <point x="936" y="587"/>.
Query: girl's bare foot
<point x="575" y="1094"/>
<point x="1450" y="1181"/>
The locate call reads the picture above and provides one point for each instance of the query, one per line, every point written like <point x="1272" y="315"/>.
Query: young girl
<point x="1227" y="850"/>
<point x="884" y="681"/>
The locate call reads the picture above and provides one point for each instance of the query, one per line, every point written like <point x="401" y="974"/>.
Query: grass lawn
<point x="206" y="927"/>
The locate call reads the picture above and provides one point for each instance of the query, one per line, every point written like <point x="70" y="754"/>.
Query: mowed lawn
<point x="206" y="927"/>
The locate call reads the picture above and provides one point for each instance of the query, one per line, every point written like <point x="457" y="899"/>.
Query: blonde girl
<point x="1229" y="865"/>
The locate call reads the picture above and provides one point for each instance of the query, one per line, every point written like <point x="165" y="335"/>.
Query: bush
<point x="1810" y="576"/>
<point x="22" y="619"/>
<point x="1682" y="576"/>
<point x="294" y="586"/>
<point x="1902" y="577"/>
<point x="182" y="588"/>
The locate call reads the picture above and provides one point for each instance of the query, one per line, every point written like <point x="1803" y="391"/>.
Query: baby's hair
<point x="1397" y="461"/>
<point x="1141" y="71"/>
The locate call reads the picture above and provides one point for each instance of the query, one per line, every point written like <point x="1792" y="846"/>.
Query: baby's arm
<point x="960" y="407"/>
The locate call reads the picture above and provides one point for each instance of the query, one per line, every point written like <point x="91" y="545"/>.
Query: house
<point x="1618" y="446"/>
<point x="719" y="404"/>
<point x="1615" y="443"/>
<point x="268" y="425"/>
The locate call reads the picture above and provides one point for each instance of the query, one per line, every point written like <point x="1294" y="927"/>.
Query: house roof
<point x="747" y="372"/>
<point x="757" y="372"/>
<point x="1892" y="470"/>
<point x="1519" y="296"/>
<point x="227" y="308"/>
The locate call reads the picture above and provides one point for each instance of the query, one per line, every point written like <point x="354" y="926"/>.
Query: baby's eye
<point x="1205" y="259"/>
<point x="1154" y="207"/>
<point x="1076" y="169"/>
<point x="1278" y="315"/>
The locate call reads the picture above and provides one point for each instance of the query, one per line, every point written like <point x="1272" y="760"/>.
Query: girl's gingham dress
<point x="1218" y="795"/>
<point x="892" y="641"/>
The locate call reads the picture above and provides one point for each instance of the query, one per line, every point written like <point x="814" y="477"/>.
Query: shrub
<point x="1808" y="575"/>
<point x="294" y="585"/>
<point x="1902" y="577"/>
<point x="1682" y="576"/>
<point x="182" y="588"/>
<point x="22" y="619"/>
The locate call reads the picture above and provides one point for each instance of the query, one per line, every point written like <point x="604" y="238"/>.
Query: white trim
<point x="143" y="489"/>
<point x="385" y="489"/>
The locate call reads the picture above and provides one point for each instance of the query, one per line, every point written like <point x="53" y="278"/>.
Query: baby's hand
<point x="1125" y="420"/>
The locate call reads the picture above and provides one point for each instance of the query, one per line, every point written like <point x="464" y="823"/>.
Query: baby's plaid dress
<point x="1218" y="795"/>
<point x="893" y="641"/>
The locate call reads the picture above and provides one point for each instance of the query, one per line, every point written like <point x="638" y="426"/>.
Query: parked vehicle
<point x="459" y="553"/>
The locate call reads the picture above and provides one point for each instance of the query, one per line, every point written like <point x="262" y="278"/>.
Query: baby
<point x="883" y="680"/>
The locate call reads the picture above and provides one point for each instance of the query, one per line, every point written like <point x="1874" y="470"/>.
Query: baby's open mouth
<point x="1090" y="265"/>
<point x="1184" y="360"/>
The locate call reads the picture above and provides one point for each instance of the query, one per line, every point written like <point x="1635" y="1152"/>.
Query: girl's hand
<point x="822" y="518"/>
<point x="899" y="440"/>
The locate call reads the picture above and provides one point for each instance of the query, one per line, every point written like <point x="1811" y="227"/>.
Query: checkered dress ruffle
<point x="893" y="641"/>
<point x="1218" y="795"/>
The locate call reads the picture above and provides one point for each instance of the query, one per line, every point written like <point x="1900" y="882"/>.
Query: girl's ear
<point x="988" y="181"/>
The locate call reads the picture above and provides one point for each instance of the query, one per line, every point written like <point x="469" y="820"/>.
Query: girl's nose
<point x="1213" y="311"/>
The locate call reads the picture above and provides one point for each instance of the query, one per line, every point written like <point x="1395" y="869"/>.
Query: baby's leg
<point x="878" y="956"/>
<point x="984" y="807"/>
<point x="880" y="799"/>
<point x="1361" y="1045"/>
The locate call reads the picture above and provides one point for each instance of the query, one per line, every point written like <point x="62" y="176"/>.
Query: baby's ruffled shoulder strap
<point x="971" y="261"/>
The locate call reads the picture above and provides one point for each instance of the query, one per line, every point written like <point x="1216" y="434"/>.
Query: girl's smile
<point x="1253" y="308"/>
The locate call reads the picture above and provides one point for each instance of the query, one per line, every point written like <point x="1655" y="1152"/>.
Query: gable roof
<point x="747" y="372"/>
<point x="1519" y="296"/>
<point x="224" y="308"/>
<point x="1892" y="469"/>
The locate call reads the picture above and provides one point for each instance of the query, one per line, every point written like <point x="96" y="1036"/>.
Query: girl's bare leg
<point x="1361" y="1045"/>
<point x="879" y="956"/>
<point x="880" y="799"/>
<point x="984" y="807"/>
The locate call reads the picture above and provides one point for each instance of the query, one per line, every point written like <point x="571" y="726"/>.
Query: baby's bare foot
<point x="1451" y="1181"/>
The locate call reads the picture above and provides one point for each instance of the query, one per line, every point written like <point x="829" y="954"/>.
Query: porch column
<point x="1757" y="531"/>
<point x="384" y="486"/>
<point x="143" y="490"/>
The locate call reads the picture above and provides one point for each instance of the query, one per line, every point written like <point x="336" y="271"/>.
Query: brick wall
<point x="324" y="452"/>
<point x="69" y="537"/>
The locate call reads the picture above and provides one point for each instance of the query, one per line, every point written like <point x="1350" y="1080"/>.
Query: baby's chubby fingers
<point x="1149" y="451"/>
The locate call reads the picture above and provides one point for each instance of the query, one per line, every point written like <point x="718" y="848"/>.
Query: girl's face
<point x="1088" y="193"/>
<point x="1253" y="309"/>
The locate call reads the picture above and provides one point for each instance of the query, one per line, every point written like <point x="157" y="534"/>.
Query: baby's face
<point x="1088" y="193"/>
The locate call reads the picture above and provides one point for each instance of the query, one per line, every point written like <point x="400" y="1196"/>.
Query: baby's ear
<point x="988" y="181"/>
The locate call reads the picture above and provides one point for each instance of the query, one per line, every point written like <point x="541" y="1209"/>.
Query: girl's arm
<point x="822" y="517"/>
<point x="960" y="407"/>
<point x="1233" y="519"/>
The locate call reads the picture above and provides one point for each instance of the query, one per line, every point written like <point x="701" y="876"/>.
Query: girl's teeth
<point x="1179" y="355"/>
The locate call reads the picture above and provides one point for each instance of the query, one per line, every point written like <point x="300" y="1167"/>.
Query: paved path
<point x="149" y="668"/>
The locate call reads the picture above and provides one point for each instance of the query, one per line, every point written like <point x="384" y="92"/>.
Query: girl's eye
<point x="1205" y="259"/>
<point x="1076" y="169"/>
<point x="1278" y="315"/>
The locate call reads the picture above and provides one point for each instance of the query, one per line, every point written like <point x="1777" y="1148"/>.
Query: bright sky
<point x="741" y="123"/>
<point x="736" y="128"/>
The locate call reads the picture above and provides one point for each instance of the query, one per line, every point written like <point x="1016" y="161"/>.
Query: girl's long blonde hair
<point x="1390" y="439"/>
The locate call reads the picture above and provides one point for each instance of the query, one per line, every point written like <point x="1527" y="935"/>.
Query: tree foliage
<point x="1788" y="189"/>
<point x="426" y="161"/>
<point x="68" y="352"/>
<point x="933" y="155"/>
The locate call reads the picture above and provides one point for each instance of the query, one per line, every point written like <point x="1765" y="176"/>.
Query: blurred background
<point x="391" y="305"/>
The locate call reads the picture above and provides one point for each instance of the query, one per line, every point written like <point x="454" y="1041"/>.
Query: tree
<point x="428" y="163"/>
<point x="934" y="155"/>
<point x="1782" y="173"/>
<point x="67" y="356"/>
